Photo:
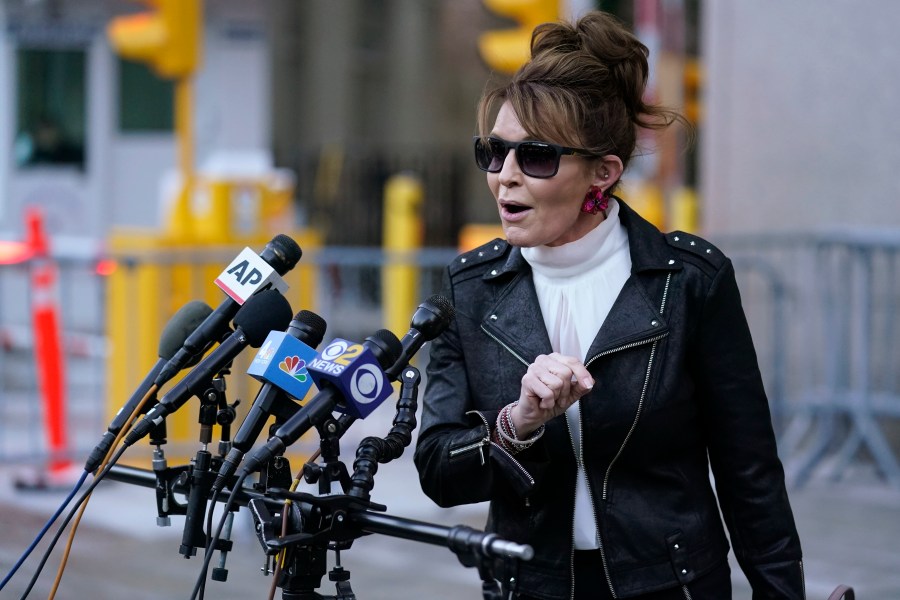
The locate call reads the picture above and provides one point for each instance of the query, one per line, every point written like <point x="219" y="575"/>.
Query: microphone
<point x="263" y="312"/>
<point x="359" y="374"/>
<point x="282" y="361"/>
<point x="356" y="373"/>
<point x="176" y="331"/>
<point x="431" y="319"/>
<point x="281" y="365"/>
<point x="246" y="275"/>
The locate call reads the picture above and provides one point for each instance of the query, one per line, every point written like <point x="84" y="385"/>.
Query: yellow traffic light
<point x="507" y="50"/>
<point x="168" y="39"/>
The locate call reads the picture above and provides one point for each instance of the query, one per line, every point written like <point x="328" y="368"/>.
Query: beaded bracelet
<point x="506" y="430"/>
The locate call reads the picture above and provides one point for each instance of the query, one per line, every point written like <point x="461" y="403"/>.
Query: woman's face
<point x="537" y="212"/>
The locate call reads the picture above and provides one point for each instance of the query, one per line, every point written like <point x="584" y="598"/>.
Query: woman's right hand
<point x="552" y="384"/>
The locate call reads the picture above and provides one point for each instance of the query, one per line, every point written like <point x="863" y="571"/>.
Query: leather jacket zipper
<point x="486" y="441"/>
<point x="578" y="456"/>
<point x="637" y="416"/>
<point x="479" y="445"/>
<point x="508" y="349"/>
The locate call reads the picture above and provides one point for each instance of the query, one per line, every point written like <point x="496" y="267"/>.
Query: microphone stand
<point x="195" y="480"/>
<point x="311" y="525"/>
<point x="306" y="564"/>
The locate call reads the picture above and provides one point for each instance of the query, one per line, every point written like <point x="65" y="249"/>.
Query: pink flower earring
<point x="595" y="201"/>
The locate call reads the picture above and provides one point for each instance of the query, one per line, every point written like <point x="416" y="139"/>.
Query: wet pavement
<point x="850" y="532"/>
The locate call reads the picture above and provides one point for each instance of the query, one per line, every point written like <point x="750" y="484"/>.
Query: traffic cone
<point x="49" y="358"/>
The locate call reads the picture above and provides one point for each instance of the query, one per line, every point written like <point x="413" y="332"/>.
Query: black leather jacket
<point x="677" y="389"/>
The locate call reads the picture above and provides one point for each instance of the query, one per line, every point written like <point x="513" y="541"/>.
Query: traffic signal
<point x="167" y="38"/>
<point x="693" y="90"/>
<point x="508" y="49"/>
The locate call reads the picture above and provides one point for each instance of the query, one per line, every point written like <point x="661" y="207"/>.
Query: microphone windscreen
<point x="181" y="325"/>
<point x="443" y="305"/>
<point x="282" y="253"/>
<point x="433" y="316"/>
<point x="389" y="348"/>
<point x="263" y="312"/>
<point x="312" y="325"/>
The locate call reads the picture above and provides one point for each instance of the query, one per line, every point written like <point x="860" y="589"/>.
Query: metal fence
<point x="823" y="311"/>
<point x="821" y="308"/>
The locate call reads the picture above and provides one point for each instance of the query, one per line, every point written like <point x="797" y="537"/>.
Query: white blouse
<point x="576" y="286"/>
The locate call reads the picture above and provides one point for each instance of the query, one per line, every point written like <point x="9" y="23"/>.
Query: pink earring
<point x="595" y="201"/>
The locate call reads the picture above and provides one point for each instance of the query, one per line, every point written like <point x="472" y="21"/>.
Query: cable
<point x="44" y="531"/>
<point x="65" y="557"/>
<point x="282" y="555"/>
<point x="201" y="579"/>
<point x="68" y="518"/>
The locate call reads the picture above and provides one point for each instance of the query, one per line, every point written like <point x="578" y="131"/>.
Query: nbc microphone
<point x="247" y="274"/>
<point x="281" y="364"/>
<point x="351" y="379"/>
<point x="263" y="312"/>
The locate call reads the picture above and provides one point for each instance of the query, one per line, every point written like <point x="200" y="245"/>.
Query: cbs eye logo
<point x="367" y="381"/>
<point x="366" y="384"/>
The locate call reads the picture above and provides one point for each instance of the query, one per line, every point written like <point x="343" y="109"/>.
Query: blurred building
<point x="88" y="137"/>
<point x="800" y="130"/>
<point x="794" y="103"/>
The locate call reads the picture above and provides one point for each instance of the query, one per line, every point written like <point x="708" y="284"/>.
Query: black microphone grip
<point x="386" y="348"/>
<point x="182" y="391"/>
<point x="192" y="536"/>
<point x="315" y="411"/>
<point x="309" y="328"/>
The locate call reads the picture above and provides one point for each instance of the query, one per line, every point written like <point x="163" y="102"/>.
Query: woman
<point x="597" y="368"/>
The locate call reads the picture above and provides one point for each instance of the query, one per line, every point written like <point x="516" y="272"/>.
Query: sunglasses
<point x="536" y="159"/>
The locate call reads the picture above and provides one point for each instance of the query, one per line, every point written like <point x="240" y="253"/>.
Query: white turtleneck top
<point x="576" y="285"/>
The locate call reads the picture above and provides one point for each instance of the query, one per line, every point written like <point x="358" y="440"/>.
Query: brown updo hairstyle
<point x="583" y="87"/>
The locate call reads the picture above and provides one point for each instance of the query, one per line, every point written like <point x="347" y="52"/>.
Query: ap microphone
<point x="246" y="275"/>
<point x="281" y="365"/>
<point x="262" y="313"/>
<point x="430" y="320"/>
<point x="176" y="331"/>
<point x="350" y="377"/>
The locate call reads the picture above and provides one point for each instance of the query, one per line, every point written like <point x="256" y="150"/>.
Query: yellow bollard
<point x="212" y="215"/>
<point x="475" y="234"/>
<point x="685" y="209"/>
<point x="402" y="235"/>
<point x="646" y="199"/>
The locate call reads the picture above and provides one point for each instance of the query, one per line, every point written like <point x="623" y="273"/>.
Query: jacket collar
<point x="648" y="247"/>
<point x="515" y="318"/>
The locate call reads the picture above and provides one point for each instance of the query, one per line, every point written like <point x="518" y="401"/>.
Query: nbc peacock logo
<point x="295" y="367"/>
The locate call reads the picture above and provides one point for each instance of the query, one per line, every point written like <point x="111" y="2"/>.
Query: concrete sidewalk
<point x="850" y="532"/>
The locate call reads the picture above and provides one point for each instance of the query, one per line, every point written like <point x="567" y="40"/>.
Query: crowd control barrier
<point x="821" y="306"/>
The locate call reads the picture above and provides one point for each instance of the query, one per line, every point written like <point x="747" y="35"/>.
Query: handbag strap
<point x="842" y="591"/>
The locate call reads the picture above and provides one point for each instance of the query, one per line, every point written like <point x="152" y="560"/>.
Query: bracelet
<point x="506" y="430"/>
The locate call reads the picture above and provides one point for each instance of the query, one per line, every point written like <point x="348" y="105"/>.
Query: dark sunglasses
<point x="536" y="159"/>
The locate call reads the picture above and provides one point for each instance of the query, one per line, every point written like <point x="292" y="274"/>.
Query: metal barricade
<point x="105" y="361"/>
<point x="81" y="299"/>
<point x="821" y="308"/>
<point x="829" y="350"/>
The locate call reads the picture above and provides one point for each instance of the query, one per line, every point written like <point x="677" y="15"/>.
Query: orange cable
<point x="68" y="548"/>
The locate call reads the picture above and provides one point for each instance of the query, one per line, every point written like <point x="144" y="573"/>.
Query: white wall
<point x="122" y="186"/>
<point x="801" y="107"/>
